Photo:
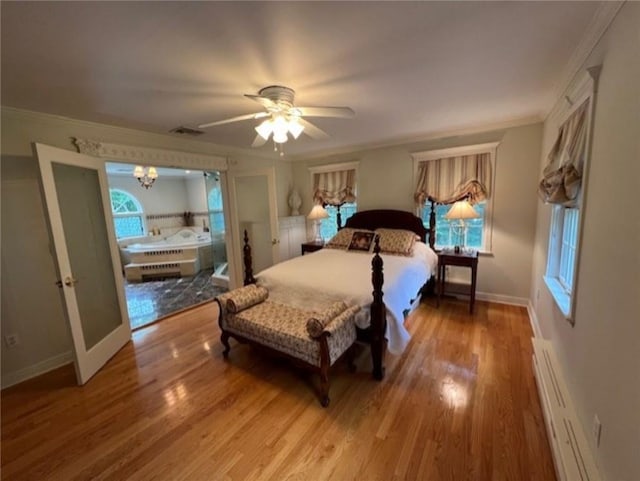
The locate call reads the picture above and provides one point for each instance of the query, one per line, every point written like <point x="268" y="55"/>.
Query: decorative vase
<point x="295" y="202"/>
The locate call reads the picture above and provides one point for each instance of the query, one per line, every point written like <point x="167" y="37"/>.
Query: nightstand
<point x="311" y="246"/>
<point x="463" y="259"/>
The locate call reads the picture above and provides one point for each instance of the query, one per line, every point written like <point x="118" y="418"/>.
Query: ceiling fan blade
<point x="259" y="141"/>
<point x="264" y="101"/>
<point x="257" y="115"/>
<point x="340" y="112"/>
<point x="313" y="131"/>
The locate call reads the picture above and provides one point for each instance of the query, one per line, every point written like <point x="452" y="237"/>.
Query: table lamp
<point x="316" y="215"/>
<point x="461" y="211"/>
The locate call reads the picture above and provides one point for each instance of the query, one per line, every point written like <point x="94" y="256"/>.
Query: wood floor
<point x="459" y="404"/>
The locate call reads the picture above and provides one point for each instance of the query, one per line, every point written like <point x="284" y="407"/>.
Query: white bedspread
<point x="314" y="280"/>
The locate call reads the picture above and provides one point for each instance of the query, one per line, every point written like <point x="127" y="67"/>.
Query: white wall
<point x="167" y="195"/>
<point x="28" y="271"/>
<point x="385" y="180"/>
<point x="600" y="356"/>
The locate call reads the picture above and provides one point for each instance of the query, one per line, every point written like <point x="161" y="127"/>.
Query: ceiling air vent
<point x="186" y="131"/>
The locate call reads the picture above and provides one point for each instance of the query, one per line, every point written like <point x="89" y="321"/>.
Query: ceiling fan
<point x="282" y="117"/>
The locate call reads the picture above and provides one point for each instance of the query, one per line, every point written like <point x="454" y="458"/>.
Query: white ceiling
<point x="408" y="69"/>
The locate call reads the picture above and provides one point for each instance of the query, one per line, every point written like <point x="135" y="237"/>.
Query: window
<point x="216" y="212"/>
<point x="127" y="214"/>
<point x="449" y="175"/>
<point x="561" y="187"/>
<point x="335" y="185"/>
<point x="449" y="235"/>
<point x="561" y="263"/>
<point x="329" y="226"/>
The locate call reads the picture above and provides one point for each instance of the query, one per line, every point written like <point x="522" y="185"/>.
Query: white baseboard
<point x="502" y="299"/>
<point x="12" y="378"/>
<point x="533" y="319"/>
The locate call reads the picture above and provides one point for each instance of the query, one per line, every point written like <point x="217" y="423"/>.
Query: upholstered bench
<point x="315" y="340"/>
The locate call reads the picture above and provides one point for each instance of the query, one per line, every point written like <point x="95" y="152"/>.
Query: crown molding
<point x="146" y="155"/>
<point x="224" y="151"/>
<point x="601" y="20"/>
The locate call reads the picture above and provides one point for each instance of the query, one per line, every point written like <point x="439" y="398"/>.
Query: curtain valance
<point x="334" y="188"/>
<point x="451" y="179"/>
<point x="562" y="177"/>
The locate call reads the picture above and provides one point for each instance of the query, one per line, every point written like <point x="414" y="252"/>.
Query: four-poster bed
<point x="407" y="276"/>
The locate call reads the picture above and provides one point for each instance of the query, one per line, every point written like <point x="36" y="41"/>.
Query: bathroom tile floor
<point x="151" y="300"/>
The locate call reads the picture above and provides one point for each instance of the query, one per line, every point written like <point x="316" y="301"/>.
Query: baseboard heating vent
<point x="571" y="454"/>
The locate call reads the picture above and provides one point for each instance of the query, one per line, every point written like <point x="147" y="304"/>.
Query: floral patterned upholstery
<point x="245" y="297"/>
<point x="396" y="241"/>
<point x="317" y="323"/>
<point x="283" y="328"/>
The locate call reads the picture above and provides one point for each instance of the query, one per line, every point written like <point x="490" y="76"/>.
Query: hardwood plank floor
<point x="459" y="404"/>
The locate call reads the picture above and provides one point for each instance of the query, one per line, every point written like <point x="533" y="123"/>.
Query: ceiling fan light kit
<point x="283" y="118"/>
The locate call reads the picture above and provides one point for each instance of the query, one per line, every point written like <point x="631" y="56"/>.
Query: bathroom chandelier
<point x="145" y="175"/>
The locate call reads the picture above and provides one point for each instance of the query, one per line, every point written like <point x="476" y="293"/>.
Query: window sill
<point x="562" y="298"/>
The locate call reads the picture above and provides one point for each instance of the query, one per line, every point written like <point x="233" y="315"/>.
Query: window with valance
<point x="561" y="186"/>
<point x="334" y="187"/>
<point x="449" y="175"/>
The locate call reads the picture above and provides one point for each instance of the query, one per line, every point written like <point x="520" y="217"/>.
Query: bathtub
<point x="184" y="253"/>
<point x="181" y="239"/>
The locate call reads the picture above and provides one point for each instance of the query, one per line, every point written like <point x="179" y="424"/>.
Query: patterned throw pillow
<point x="316" y="324"/>
<point x="396" y="241"/>
<point x="361" y="241"/>
<point x="343" y="238"/>
<point x="245" y="297"/>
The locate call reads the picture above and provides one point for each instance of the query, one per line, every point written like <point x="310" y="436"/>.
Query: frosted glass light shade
<point x="462" y="210"/>
<point x="264" y="129"/>
<point x="152" y="173"/>
<point x="295" y="128"/>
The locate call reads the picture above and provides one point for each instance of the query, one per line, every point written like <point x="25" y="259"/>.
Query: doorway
<point x="170" y="232"/>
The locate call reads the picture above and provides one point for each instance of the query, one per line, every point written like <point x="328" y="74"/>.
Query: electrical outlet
<point x="11" y="340"/>
<point x="596" y="430"/>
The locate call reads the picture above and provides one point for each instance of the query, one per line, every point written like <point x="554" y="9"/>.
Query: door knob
<point x="273" y="242"/>
<point x="70" y="281"/>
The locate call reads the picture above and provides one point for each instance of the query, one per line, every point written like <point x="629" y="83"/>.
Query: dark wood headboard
<point x="391" y="219"/>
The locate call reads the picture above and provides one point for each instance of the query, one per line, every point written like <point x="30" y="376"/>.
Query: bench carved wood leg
<point x="224" y="339"/>
<point x="378" y="314"/>
<point x="324" y="371"/>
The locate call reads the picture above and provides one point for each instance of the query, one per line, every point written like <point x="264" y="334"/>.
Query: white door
<point x="77" y="198"/>
<point x="254" y="209"/>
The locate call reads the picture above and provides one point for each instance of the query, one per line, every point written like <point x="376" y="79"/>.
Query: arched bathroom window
<point x="128" y="216"/>
<point x="216" y="211"/>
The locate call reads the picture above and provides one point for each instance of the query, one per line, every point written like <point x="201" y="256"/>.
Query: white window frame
<point x="490" y="148"/>
<point x="564" y="295"/>
<point x="129" y="214"/>
<point x="217" y="211"/>
<point x="333" y="168"/>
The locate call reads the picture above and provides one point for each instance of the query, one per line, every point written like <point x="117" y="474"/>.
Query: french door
<point x="77" y="197"/>
<point x="254" y="209"/>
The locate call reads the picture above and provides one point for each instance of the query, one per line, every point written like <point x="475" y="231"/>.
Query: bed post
<point x="338" y="217"/>
<point x="432" y="224"/>
<point x="378" y="314"/>
<point x="246" y="255"/>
